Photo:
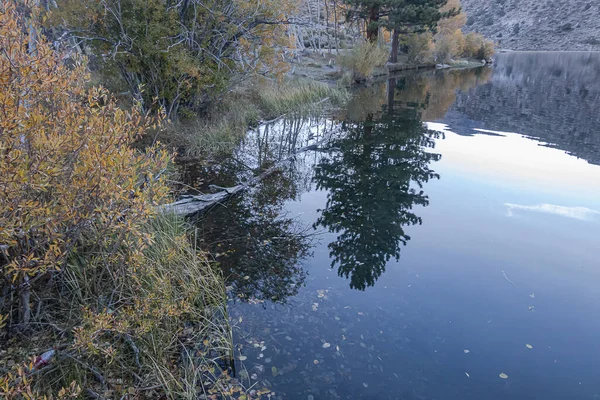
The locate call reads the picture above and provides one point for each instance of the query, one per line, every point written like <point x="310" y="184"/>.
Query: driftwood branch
<point x="189" y="205"/>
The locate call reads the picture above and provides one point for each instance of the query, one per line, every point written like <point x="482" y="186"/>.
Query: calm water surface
<point x="444" y="233"/>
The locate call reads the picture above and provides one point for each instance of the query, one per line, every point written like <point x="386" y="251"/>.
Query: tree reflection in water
<point x="374" y="174"/>
<point x="259" y="252"/>
<point x="373" y="167"/>
<point x="258" y="246"/>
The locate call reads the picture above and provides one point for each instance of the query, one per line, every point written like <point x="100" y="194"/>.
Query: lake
<point x="440" y="241"/>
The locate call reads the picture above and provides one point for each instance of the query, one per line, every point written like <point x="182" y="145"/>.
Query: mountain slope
<point x="536" y="24"/>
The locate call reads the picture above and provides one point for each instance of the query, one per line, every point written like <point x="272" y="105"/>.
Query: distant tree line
<point x="426" y="30"/>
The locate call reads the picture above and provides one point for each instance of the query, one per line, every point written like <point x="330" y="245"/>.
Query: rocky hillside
<point x="536" y="24"/>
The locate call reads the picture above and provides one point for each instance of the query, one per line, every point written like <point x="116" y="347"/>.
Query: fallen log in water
<point x="189" y="205"/>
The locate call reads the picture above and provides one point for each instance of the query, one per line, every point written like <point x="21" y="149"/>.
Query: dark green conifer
<point x="399" y="16"/>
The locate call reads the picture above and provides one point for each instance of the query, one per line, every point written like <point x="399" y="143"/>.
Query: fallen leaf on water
<point x="274" y="371"/>
<point x="326" y="345"/>
<point x="246" y="278"/>
<point x="529" y="346"/>
<point x="467" y="351"/>
<point x="242" y="358"/>
<point x="503" y="375"/>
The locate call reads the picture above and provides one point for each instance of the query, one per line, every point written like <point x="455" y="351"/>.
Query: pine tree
<point x="400" y="16"/>
<point x="374" y="176"/>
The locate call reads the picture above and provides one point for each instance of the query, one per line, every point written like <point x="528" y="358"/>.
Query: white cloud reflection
<point x="580" y="213"/>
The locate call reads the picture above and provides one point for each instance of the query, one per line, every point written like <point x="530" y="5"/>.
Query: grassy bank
<point x="228" y="120"/>
<point x="159" y="330"/>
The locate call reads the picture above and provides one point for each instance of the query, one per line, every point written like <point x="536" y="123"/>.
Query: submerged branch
<point x="189" y="205"/>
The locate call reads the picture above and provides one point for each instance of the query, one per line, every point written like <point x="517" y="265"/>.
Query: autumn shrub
<point x="178" y="56"/>
<point x="451" y="42"/>
<point x="419" y="47"/>
<point x="445" y="48"/>
<point x="362" y="60"/>
<point x="90" y="275"/>
<point x="66" y="165"/>
<point x="478" y="47"/>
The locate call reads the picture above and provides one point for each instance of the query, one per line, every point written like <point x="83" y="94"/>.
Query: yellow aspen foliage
<point x="67" y="167"/>
<point x="454" y="23"/>
<point x="451" y="42"/>
<point x="101" y="290"/>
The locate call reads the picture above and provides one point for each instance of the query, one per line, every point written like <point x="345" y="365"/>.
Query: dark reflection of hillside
<point x="373" y="172"/>
<point x="551" y="96"/>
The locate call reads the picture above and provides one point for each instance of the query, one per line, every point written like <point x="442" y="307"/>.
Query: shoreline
<point x="323" y="68"/>
<point x="508" y="51"/>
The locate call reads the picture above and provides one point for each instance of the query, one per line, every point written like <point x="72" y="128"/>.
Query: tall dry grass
<point x="300" y="96"/>
<point x="160" y="329"/>
<point x="224" y="127"/>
